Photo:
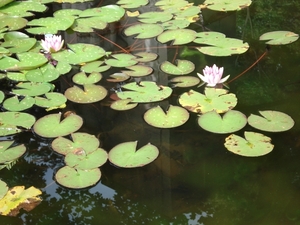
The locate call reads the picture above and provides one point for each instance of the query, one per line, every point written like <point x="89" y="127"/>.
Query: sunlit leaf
<point x="185" y="81"/>
<point x="9" y="153"/>
<point x="182" y="67"/>
<point x="14" y="104"/>
<point x="22" y="8"/>
<point x="279" y="37"/>
<point x="143" y="31"/>
<point x="129" y="4"/>
<point x="82" y="78"/>
<point x="178" y="36"/>
<point x="225" y="5"/>
<point x="123" y="104"/>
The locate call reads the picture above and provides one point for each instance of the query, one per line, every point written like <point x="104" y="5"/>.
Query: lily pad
<point x="108" y="13"/>
<point x="155" y="17"/>
<point x="19" y="45"/>
<point x="145" y="91"/>
<point x="51" y="126"/>
<point x="219" y="45"/>
<point x="118" y="77"/>
<point x="86" y="161"/>
<point x="144" y="31"/>
<point x="96" y="66"/>
<point x="51" y="100"/>
<point x="76" y="178"/>
<point x="175" y="24"/>
<point x="10" y="122"/>
<point x="254" y="144"/>
<point x="82" y="78"/>
<point x="8" y="153"/>
<point x="138" y="70"/>
<point x="46" y="73"/>
<point x="225" y="5"/>
<point x="31" y="89"/>
<point x="91" y="93"/>
<point x="145" y="56"/>
<point x="126" y="155"/>
<point x="129" y="4"/>
<point x="183" y="67"/>
<point x="14" y="104"/>
<point x="12" y="22"/>
<point x="185" y="81"/>
<point x="19" y="198"/>
<point x="3" y="189"/>
<point x="50" y="25"/>
<point x="123" y="104"/>
<point x="279" y="37"/>
<point x="2" y="96"/>
<point x="87" y="25"/>
<point x="231" y="121"/>
<point x="272" y="121"/>
<point x="214" y="99"/>
<point x="178" y="36"/>
<point x="121" y="60"/>
<point x="79" y="142"/>
<point x="175" y="116"/>
<point x="22" y="8"/>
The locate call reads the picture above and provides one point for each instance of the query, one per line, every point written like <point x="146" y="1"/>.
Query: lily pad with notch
<point x="182" y="67"/>
<point x="121" y="60"/>
<point x="79" y="142"/>
<point x="22" y="8"/>
<point x="82" y="78"/>
<point x="129" y="4"/>
<point x="89" y="94"/>
<point x="185" y="81"/>
<point x="46" y="73"/>
<point x="12" y="22"/>
<point x="230" y="122"/>
<point x="127" y="156"/>
<point x="253" y="145"/>
<point x="138" y="70"/>
<point x="31" y="89"/>
<point x="279" y="37"/>
<point x="272" y="121"/>
<point x="178" y="36"/>
<point x="77" y="178"/>
<point x="19" y="45"/>
<point x="95" y="66"/>
<point x="51" y="100"/>
<point x="51" y="126"/>
<point x="214" y="99"/>
<point x="13" y="122"/>
<point x="145" y="91"/>
<point x="16" y="104"/>
<point x="225" y="5"/>
<point x="143" y="31"/>
<point x="145" y="56"/>
<point x="123" y="104"/>
<point x="10" y="153"/>
<point x="155" y="17"/>
<point x="118" y="77"/>
<point x="175" y="116"/>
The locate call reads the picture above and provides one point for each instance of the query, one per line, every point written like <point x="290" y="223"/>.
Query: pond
<point x="194" y="180"/>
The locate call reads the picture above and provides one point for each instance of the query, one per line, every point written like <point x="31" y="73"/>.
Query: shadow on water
<point x="194" y="180"/>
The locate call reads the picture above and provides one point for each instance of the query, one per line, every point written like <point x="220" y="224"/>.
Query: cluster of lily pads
<point x="33" y="72"/>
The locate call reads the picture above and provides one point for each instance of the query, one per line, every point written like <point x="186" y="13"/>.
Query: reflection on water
<point x="194" y="180"/>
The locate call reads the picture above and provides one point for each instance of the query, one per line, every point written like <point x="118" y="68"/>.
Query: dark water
<point x="195" y="180"/>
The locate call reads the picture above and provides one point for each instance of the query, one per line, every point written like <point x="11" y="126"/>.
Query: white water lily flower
<point x="52" y="43"/>
<point x="213" y="75"/>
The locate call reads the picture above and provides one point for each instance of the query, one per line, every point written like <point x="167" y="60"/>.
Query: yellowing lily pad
<point x="91" y="93"/>
<point x="123" y="104"/>
<point x="254" y="144"/>
<point x="51" y="126"/>
<point x="19" y="198"/>
<point x="145" y="91"/>
<point x="175" y="116"/>
<point x="77" y="178"/>
<point x="272" y="121"/>
<point x="231" y="121"/>
<point x="126" y="155"/>
<point x="214" y="99"/>
<point x="279" y="37"/>
<point x="183" y="67"/>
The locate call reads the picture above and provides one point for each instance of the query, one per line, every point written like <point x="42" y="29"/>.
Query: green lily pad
<point x="279" y="37"/>
<point x="231" y="121"/>
<point x="53" y="100"/>
<point x="225" y="5"/>
<point x="8" y="153"/>
<point x="17" y="76"/>
<point x="178" y="36"/>
<point x="22" y="8"/>
<point x="155" y="17"/>
<point x="108" y="13"/>
<point x="76" y="178"/>
<point x="3" y="189"/>
<point x="5" y="2"/>
<point x="175" y="24"/>
<point x="175" y="116"/>
<point x="214" y="99"/>
<point x="95" y="67"/>
<point x="144" y="31"/>
<point x="82" y="78"/>
<point x="10" y="122"/>
<point x="85" y="161"/>
<point x="31" y="89"/>
<point x="2" y="96"/>
<point x="19" y="45"/>
<point x="67" y="12"/>
<point x="50" y="25"/>
<point x="272" y="121"/>
<point x="189" y="13"/>
<point x="126" y="155"/>
<point x="121" y="60"/>
<point x="219" y="45"/>
<point x="129" y="4"/>
<point x="51" y="126"/>
<point x="123" y="104"/>
<point x="90" y="93"/>
<point x="254" y="144"/>
<point x="171" y="5"/>
<point x="138" y="70"/>
<point x="45" y="73"/>
<point x="79" y="54"/>
<point x="12" y="22"/>
<point x="145" y="91"/>
<point x="87" y="25"/>
<point x="63" y="67"/>
<point x="185" y="81"/>
<point x="145" y="56"/>
<point x="79" y="142"/>
<point x="25" y="61"/>
<point x="118" y="77"/>
<point x="14" y="104"/>
<point x="183" y="67"/>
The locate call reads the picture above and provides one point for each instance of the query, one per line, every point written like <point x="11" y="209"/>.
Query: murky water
<point x="195" y="180"/>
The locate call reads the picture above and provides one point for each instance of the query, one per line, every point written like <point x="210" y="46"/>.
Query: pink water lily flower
<point x="213" y="75"/>
<point x="52" y="43"/>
